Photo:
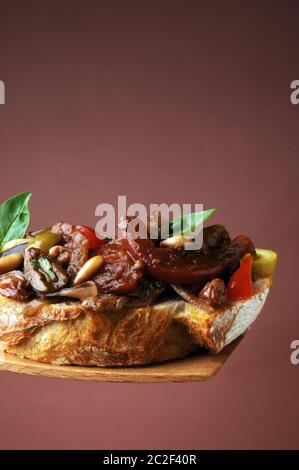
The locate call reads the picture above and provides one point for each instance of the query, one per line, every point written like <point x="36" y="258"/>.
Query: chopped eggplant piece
<point x="13" y="244"/>
<point x="43" y="274"/>
<point x="81" y="292"/>
<point x="15" y="249"/>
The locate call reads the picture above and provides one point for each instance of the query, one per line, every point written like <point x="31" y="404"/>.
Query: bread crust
<point x="72" y="333"/>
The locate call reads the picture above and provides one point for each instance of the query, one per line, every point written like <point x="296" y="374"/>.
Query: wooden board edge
<point x="194" y="368"/>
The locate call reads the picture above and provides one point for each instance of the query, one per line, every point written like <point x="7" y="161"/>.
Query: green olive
<point x="44" y="241"/>
<point x="265" y="263"/>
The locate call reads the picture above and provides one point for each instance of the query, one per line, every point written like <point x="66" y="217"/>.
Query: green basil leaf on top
<point x="14" y="217"/>
<point x="186" y="224"/>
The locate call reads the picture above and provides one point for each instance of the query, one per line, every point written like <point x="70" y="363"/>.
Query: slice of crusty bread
<point x="157" y="333"/>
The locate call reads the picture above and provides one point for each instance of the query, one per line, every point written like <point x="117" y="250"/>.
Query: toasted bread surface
<point x="72" y="333"/>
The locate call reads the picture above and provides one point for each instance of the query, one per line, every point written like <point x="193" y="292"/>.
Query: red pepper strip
<point x="89" y="233"/>
<point x="240" y="283"/>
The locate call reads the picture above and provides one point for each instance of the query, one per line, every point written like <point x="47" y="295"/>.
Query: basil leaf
<point x="186" y="224"/>
<point x="14" y="217"/>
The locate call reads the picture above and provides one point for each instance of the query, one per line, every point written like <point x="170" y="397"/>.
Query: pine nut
<point x="56" y="250"/>
<point x="10" y="262"/>
<point x="89" y="269"/>
<point x="177" y="241"/>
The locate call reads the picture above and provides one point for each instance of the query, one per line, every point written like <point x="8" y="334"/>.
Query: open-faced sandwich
<point x="68" y="297"/>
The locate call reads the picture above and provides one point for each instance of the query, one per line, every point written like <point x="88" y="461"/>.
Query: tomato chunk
<point x="94" y="241"/>
<point x="119" y="273"/>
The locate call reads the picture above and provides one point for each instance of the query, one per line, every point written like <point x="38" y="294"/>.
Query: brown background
<point x="161" y="101"/>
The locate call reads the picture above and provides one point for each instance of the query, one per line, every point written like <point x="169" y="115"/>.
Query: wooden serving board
<point x="199" y="366"/>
